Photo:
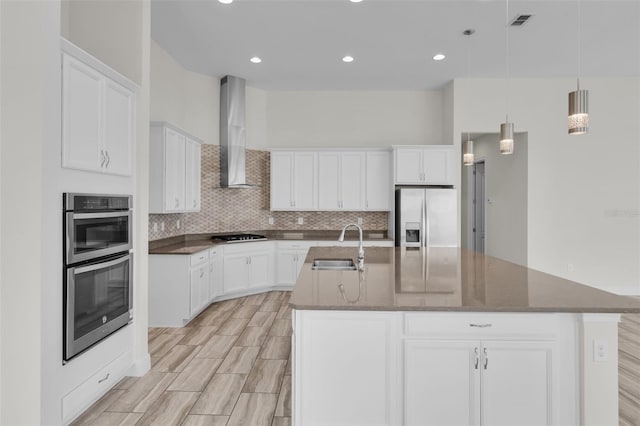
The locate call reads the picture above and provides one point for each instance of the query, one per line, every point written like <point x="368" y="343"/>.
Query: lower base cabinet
<point x="434" y="369"/>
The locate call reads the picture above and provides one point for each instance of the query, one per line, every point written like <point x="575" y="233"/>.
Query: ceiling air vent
<point x="520" y="20"/>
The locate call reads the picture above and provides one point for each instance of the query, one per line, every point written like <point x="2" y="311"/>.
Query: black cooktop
<point x="235" y="238"/>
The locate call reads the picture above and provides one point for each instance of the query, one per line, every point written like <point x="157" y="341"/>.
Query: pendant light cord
<point x="506" y="58"/>
<point x="579" y="42"/>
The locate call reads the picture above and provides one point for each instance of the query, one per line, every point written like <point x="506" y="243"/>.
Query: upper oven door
<point x="93" y="235"/>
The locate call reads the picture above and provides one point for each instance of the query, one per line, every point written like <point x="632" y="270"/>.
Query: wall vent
<point x="520" y="20"/>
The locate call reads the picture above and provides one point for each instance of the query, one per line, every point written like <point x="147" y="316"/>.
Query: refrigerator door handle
<point x="423" y="224"/>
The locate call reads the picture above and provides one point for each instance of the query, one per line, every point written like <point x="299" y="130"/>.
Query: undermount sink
<point x="333" y="265"/>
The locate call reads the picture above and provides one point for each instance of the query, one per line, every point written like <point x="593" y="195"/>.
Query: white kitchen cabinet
<point x="341" y="177"/>
<point x="425" y="165"/>
<point x="247" y="267"/>
<point x="293" y="180"/>
<point x="289" y="260"/>
<point x="215" y="273"/>
<point x="345" y="368"/>
<point x="98" y="119"/>
<point x="474" y="383"/>
<point x="174" y="170"/>
<point x="378" y="181"/>
<point x="199" y="288"/>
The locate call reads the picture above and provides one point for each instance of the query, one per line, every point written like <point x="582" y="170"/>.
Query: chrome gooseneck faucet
<point x="360" y="248"/>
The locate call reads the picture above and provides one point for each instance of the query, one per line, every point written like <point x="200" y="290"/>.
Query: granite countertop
<point x="443" y="279"/>
<point x="193" y="243"/>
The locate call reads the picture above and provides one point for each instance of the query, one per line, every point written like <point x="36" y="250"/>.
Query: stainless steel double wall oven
<point x="98" y="268"/>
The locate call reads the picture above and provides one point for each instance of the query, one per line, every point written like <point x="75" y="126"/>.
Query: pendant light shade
<point x="578" y="112"/>
<point x="506" y="138"/>
<point x="467" y="154"/>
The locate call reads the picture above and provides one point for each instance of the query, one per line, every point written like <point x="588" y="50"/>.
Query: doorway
<point x="478" y="197"/>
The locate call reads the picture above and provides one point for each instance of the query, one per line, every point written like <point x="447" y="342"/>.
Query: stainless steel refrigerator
<point x="426" y="217"/>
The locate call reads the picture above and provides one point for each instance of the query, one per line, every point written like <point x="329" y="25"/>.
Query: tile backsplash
<point x="245" y="209"/>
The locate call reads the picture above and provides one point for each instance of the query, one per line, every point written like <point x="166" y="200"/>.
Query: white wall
<point x="583" y="191"/>
<point x="188" y="100"/>
<point x="256" y="118"/>
<point x="25" y="31"/>
<point x="348" y="118"/>
<point x="505" y="199"/>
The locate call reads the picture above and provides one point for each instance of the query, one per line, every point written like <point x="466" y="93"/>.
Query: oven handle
<point x="102" y="265"/>
<point x="123" y="213"/>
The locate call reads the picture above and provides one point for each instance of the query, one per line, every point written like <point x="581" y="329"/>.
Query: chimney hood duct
<point x="232" y="133"/>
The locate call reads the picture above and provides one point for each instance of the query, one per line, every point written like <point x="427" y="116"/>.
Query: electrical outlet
<point x="270" y="221"/>
<point x="360" y="221"/>
<point x="600" y="350"/>
<point x="300" y="221"/>
<point x="570" y="267"/>
<point x="155" y="226"/>
<point x="162" y="225"/>
<point x="178" y="224"/>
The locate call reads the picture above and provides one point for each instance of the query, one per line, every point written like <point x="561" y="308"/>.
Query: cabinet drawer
<point x="198" y="258"/>
<point x="90" y="390"/>
<point x="480" y="325"/>
<point x="248" y="248"/>
<point x="286" y="245"/>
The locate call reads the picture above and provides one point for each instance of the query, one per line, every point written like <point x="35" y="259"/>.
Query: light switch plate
<point x="270" y="221"/>
<point x="600" y="350"/>
<point x="300" y="221"/>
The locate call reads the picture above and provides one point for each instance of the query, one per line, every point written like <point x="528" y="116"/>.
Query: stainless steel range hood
<point x="232" y="133"/>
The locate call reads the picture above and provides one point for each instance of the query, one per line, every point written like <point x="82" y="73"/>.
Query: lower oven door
<point x="98" y="301"/>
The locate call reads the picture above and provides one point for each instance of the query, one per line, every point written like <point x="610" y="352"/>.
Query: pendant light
<point x="578" y="119"/>
<point x="467" y="153"/>
<point x="506" y="128"/>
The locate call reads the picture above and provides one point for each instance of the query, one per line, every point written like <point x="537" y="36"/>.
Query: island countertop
<point x="443" y="279"/>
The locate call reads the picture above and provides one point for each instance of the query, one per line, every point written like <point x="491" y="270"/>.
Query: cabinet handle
<point x="249" y="261"/>
<point x="104" y="379"/>
<point x="102" y="158"/>
<point x="194" y="203"/>
<point x="106" y="153"/>
<point x="480" y="325"/>
<point x="201" y="273"/>
<point x="477" y="358"/>
<point x="486" y="358"/>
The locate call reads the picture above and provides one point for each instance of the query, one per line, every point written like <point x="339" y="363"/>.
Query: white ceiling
<point x="302" y="42"/>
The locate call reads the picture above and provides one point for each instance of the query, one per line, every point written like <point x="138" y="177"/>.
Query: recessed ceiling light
<point x="255" y="60"/>
<point x="226" y="1"/>
<point x="438" y="57"/>
<point x="347" y="59"/>
<point x="356" y="1"/>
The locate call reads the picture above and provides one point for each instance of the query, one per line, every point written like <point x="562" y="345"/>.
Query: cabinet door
<point x="282" y="181"/>
<point x="215" y="274"/>
<point x="438" y="165"/>
<point x="81" y="116"/>
<point x="442" y="383"/>
<point x="408" y="165"/>
<point x="261" y="270"/>
<point x="235" y="271"/>
<point x="352" y="172"/>
<point x="517" y="383"/>
<point x="174" y="171"/>
<point x="192" y="175"/>
<point x="378" y="181"/>
<point x="286" y="268"/>
<point x="304" y="180"/>
<point x="198" y="288"/>
<point x="329" y="181"/>
<point x="118" y="129"/>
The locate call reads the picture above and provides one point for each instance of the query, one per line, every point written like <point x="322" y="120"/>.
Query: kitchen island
<point x="445" y="336"/>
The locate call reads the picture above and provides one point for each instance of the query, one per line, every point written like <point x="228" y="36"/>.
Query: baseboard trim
<point x="140" y="367"/>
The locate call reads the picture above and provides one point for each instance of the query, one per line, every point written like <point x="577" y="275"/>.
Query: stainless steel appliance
<point x="98" y="269"/>
<point x="426" y="216"/>
<point x="235" y="238"/>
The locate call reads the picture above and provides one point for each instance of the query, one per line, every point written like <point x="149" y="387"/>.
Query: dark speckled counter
<point x="444" y="279"/>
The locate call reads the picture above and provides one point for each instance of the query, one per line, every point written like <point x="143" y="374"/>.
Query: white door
<point x="174" y="171"/>
<point x="118" y="129"/>
<point x="329" y="181"/>
<point x="378" y="181"/>
<point x="304" y="180"/>
<point x="236" y="273"/>
<point x="517" y="383"/>
<point x="352" y="176"/>
<point x="408" y="165"/>
<point x="81" y="116"/>
<point x="192" y="175"/>
<point x="282" y="181"/>
<point x="438" y="166"/>
<point x="479" y="207"/>
<point x="442" y="383"/>
<point x="260" y="270"/>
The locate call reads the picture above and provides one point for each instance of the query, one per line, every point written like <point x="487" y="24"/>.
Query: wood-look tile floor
<point x="629" y="369"/>
<point x="229" y="366"/>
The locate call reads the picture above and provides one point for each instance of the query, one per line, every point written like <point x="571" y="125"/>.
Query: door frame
<point x="471" y="195"/>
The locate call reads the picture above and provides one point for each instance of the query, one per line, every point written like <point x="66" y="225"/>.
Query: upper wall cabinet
<point x="378" y="181"/>
<point x="341" y="177"/>
<point x="294" y="180"/>
<point x="424" y="165"/>
<point x="98" y="117"/>
<point x="174" y="170"/>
